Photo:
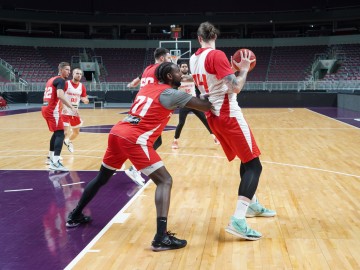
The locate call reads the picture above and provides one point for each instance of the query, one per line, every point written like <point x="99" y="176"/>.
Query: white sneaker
<point x="135" y="176"/>
<point x="69" y="146"/>
<point x="175" y="145"/>
<point x="58" y="167"/>
<point x="48" y="160"/>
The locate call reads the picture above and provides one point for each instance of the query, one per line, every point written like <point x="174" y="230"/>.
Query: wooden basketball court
<point x="311" y="177"/>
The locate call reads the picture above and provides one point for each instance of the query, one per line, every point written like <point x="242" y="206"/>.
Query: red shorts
<point x="141" y="156"/>
<point x="71" y="121"/>
<point x="235" y="137"/>
<point x="53" y="119"/>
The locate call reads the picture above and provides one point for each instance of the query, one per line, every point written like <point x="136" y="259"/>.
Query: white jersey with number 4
<point x="73" y="92"/>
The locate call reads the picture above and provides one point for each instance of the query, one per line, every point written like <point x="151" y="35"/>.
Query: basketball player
<point x="188" y="85"/>
<point x="51" y="111"/>
<point x="133" y="139"/>
<point x="216" y="80"/>
<point x="74" y="92"/>
<point x="161" y="55"/>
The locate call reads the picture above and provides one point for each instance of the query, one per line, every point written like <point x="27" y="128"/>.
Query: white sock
<point x="254" y="199"/>
<point x="241" y="208"/>
<point x="56" y="159"/>
<point x="67" y="141"/>
<point x="51" y="155"/>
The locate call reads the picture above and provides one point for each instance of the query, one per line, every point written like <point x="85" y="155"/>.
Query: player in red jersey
<point x="215" y="78"/>
<point x="51" y="111"/>
<point x="133" y="138"/>
<point x="74" y="92"/>
<point x="161" y="55"/>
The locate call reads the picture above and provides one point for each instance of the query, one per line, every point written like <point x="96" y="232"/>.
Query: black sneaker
<point x="167" y="242"/>
<point x="74" y="221"/>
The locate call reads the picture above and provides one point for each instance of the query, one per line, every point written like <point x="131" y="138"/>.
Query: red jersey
<point x="148" y="75"/>
<point x="51" y="100"/>
<point x="147" y="117"/>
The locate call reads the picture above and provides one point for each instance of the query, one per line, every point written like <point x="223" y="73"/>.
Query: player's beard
<point x="177" y="84"/>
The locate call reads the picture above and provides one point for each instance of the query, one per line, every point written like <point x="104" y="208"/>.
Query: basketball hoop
<point x="175" y="58"/>
<point x="175" y="55"/>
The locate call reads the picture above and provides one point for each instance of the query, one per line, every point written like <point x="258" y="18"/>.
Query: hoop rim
<point x="174" y="58"/>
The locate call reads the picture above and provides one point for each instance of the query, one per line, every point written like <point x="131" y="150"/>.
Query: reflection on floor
<point x="34" y="207"/>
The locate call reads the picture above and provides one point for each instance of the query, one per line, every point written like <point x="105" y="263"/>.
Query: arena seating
<point x="349" y="57"/>
<point x="286" y="63"/>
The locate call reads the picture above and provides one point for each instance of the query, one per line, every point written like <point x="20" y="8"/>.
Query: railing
<point x="330" y="86"/>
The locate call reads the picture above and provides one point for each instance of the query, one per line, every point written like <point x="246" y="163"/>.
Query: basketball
<point x="237" y="58"/>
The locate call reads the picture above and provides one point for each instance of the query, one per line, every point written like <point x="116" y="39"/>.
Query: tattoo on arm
<point x="232" y="83"/>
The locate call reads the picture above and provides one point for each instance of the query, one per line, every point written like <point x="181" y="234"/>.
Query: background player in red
<point x="215" y="78"/>
<point x="188" y="86"/>
<point x="74" y="92"/>
<point x="133" y="138"/>
<point x="161" y="55"/>
<point x="51" y="111"/>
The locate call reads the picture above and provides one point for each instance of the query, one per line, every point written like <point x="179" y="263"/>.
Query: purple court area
<point x="34" y="207"/>
<point x="344" y="115"/>
<point x="11" y="112"/>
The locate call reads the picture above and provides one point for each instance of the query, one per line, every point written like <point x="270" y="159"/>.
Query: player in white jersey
<point x="216" y="80"/>
<point x="188" y="86"/>
<point x="75" y="92"/>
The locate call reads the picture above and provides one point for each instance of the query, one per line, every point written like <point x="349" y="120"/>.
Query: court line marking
<point x="72" y="184"/>
<point x="16" y="190"/>
<point x="206" y="156"/>
<point x="272" y="162"/>
<point x="117" y="217"/>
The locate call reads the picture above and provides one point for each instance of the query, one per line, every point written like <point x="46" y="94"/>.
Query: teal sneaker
<point x="257" y="210"/>
<point x="240" y="228"/>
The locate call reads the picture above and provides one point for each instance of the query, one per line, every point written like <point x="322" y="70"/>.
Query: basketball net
<point x="174" y="58"/>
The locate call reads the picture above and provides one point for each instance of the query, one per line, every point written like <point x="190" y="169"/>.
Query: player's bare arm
<point x="198" y="104"/>
<point x="85" y="100"/>
<point x="236" y="83"/>
<point x="187" y="78"/>
<point x="135" y="82"/>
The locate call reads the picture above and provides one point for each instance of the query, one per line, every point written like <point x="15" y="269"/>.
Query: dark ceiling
<point x="161" y="6"/>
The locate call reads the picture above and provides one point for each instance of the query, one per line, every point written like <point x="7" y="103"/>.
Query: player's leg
<point x="163" y="240"/>
<point x="152" y="165"/>
<point x="56" y="163"/>
<point x="234" y="142"/>
<point x="113" y="159"/>
<point x="202" y="117"/>
<point x="73" y="123"/>
<point x="248" y="185"/>
<point x="76" y="217"/>
<point x="157" y="143"/>
<point x="74" y="134"/>
<point x="134" y="174"/>
<point x="183" y="113"/>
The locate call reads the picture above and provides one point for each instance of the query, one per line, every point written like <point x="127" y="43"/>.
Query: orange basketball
<point x="237" y="58"/>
